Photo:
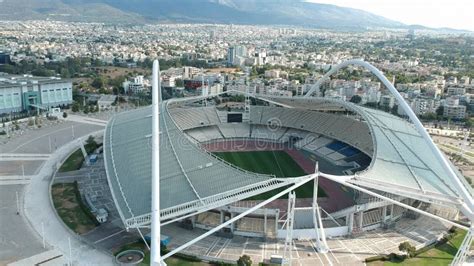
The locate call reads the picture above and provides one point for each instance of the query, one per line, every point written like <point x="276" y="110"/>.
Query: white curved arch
<point x="468" y="205"/>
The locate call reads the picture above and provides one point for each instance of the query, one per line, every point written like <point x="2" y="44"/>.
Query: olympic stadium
<point x="232" y="170"/>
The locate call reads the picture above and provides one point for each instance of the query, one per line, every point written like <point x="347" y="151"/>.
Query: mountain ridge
<point x="260" y="12"/>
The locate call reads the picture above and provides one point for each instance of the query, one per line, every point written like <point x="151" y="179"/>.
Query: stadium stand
<point x="324" y="150"/>
<point x="335" y="156"/>
<point x="265" y="132"/>
<point x="308" y="138"/>
<point x="187" y="118"/>
<point x="186" y="169"/>
<point x="336" y="145"/>
<point x="242" y="130"/>
<point x="328" y="124"/>
<point x="348" y="152"/>
<point x="318" y="143"/>
<point x="203" y="134"/>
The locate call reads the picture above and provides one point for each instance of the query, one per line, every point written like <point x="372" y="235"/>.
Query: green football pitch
<point x="277" y="163"/>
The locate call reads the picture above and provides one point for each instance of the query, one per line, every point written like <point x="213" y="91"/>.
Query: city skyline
<point x="349" y="142"/>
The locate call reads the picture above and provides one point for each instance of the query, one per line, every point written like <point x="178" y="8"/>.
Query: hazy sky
<point x="458" y="14"/>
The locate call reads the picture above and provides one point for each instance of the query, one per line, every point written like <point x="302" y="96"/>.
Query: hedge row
<point x="220" y="263"/>
<point x="389" y="257"/>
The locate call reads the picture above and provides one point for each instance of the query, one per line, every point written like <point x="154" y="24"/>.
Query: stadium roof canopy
<point x="405" y="161"/>
<point x="193" y="180"/>
<point x="402" y="162"/>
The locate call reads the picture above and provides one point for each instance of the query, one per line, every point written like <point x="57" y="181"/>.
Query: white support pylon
<point x="287" y="253"/>
<point x="155" y="169"/>
<point x="318" y="223"/>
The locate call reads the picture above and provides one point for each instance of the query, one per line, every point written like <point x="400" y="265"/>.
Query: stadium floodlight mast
<point x="155" y="169"/>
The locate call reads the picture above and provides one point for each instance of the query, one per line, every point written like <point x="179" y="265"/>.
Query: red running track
<point x="336" y="199"/>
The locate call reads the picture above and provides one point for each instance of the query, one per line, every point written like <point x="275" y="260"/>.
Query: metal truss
<point x="375" y="194"/>
<point x="464" y="249"/>
<point x="195" y="207"/>
<point x="301" y="182"/>
<point x="317" y="221"/>
<point x="290" y="221"/>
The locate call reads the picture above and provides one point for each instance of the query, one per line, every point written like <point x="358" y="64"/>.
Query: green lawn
<point x="437" y="256"/>
<point x="67" y="205"/>
<point x="278" y="163"/>
<point x="73" y="162"/>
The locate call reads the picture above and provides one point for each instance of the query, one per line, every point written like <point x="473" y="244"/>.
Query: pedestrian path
<point x="15" y="180"/>
<point x="23" y="156"/>
<point x="41" y="214"/>
<point x="87" y="120"/>
<point x="50" y="257"/>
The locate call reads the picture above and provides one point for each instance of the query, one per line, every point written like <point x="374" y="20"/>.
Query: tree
<point x="394" y="110"/>
<point x="468" y="123"/>
<point x="64" y="115"/>
<point x="407" y="248"/>
<point x="429" y="116"/>
<point x="440" y="111"/>
<point x="98" y="83"/>
<point x="91" y="144"/>
<point x="356" y="99"/>
<point x="31" y="122"/>
<point x="179" y="83"/>
<point x="244" y="260"/>
<point x="75" y="107"/>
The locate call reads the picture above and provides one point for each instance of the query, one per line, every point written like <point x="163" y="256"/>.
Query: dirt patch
<point x="66" y="203"/>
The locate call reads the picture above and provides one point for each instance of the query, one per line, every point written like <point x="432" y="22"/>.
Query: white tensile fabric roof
<point x="192" y="179"/>
<point x="402" y="162"/>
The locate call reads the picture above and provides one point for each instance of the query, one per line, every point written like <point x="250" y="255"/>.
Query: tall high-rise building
<point x="4" y="58"/>
<point x="230" y="55"/>
<point x="234" y="52"/>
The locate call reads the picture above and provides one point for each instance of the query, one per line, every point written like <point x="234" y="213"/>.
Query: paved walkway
<point x="86" y="120"/>
<point x="17" y="239"/>
<point x="40" y="213"/>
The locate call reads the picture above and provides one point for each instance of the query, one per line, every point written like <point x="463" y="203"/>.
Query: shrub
<point x="244" y="260"/>
<point x="407" y="248"/>
<point x="220" y="263"/>
<point x="91" y="145"/>
<point x="377" y="258"/>
<point x="393" y="257"/>
<point x="187" y="257"/>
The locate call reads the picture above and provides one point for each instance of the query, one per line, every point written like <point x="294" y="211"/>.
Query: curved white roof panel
<point x="402" y="162"/>
<point x="193" y="180"/>
<point x="190" y="178"/>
